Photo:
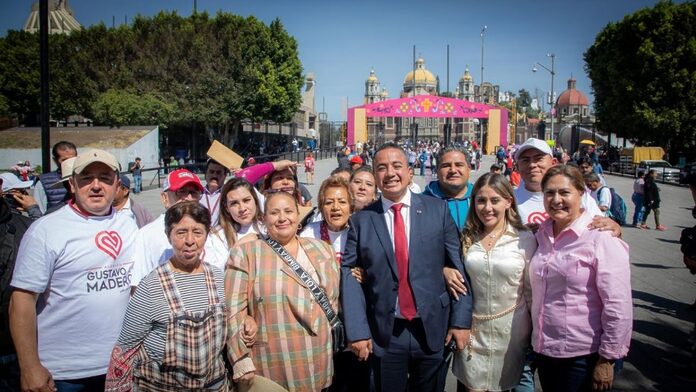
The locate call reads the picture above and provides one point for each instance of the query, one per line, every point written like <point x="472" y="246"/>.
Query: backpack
<point x="617" y="210"/>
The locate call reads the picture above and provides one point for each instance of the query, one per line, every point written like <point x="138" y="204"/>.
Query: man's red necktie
<point x="407" y="305"/>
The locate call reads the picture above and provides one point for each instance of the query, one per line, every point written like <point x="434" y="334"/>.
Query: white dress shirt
<point x="389" y="215"/>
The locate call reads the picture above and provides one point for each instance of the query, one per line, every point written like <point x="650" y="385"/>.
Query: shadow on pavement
<point x="656" y="266"/>
<point x="671" y="241"/>
<point x="658" y="348"/>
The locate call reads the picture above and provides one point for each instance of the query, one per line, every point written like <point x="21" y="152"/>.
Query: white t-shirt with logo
<point x="151" y="249"/>
<point x="338" y="238"/>
<point x="80" y="266"/>
<point x="530" y="205"/>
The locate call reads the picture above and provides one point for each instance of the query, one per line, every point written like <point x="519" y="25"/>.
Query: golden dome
<point x="467" y="75"/>
<point x="372" y="77"/>
<point x="423" y="76"/>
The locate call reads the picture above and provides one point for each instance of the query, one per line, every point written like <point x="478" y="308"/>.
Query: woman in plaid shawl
<point x="293" y="345"/>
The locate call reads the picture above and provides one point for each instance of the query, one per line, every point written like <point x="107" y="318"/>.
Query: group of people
<point x="240" y="283"/>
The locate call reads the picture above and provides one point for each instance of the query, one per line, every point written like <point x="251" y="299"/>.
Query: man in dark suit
<point x="402" y="311"/>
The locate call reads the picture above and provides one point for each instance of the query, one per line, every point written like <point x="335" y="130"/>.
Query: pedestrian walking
<point x="652" y="201"/>
<point x="638" y="199"/>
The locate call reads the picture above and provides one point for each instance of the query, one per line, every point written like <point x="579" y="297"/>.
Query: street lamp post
<point x="483" y="33"/>
<point x="552" y="71"/>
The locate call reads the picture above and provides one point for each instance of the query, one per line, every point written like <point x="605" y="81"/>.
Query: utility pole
<point x="483" y="33"/>
<point x="43" y="66"/>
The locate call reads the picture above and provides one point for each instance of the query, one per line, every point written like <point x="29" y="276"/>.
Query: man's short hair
<point x="444" y="151"/>
<point x="388" y="145"/>
<point x="62" y="146"/>
<point x="209" y="161"/>
<point x="591" y="177"/>
<point x="585" y="160"/>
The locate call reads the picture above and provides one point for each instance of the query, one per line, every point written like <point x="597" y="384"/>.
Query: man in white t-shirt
<point x="215" y="175"/>
<point x="71" y="283"/>
<point x="152" y="247"/>
<point x="534" y="158"/>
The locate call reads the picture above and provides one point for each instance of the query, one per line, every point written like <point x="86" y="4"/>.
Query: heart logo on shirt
<point x="537" y="217"/>
<point x="109" y="242"/>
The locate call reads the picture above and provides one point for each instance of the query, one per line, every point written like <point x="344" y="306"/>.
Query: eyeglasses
<point x="182" y="193"/>
<point x="284" y="189"/>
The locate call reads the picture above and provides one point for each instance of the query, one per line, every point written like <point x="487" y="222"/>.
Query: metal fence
<point x="153" y="178"/>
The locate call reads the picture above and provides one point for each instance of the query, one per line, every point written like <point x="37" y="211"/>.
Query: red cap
<point x="356" y="159"/>
<point x="179" y="178"/>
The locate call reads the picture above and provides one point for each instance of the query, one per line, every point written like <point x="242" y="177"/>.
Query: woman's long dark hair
<point x="227" y="224"/>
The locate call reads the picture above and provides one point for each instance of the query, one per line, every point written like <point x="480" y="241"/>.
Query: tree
<point x="19" y="75"/>
<point x="166" y="69"/>
<point x="643" y="72"/>
<point x="119" y="107"/>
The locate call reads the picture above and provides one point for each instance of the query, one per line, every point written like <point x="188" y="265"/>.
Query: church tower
<point x="373" y="92"/>
<point x="466" y="86"/>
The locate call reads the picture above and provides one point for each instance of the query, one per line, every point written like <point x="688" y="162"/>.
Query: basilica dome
<point x="572" y="96"/>
<point x="423" y="76"/>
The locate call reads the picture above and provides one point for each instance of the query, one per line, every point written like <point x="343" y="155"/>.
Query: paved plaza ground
<point x="662" y="287"/>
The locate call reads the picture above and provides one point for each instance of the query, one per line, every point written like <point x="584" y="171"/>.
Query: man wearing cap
<point x="534" y="158"/>
<point x="45" y="193"/>
<point x="128" y="207"/>
<point x="355" y="162"/>
<point x="152" y="248"/>
<point x="215" y="175"/>
<point x="14" y="191"/>
<point x="71" y="283"/>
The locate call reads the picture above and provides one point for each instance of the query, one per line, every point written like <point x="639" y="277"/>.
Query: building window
<point x="390" y="122"/>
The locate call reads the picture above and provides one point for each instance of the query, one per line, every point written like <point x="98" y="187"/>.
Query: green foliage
<point x="643" y="72"/>
<point x="164" y="69"/>
<point x="118" y="107"/>
<point x="524" y="100"/>
<point x="4" y="106"/>
<point x="19" y="74"/>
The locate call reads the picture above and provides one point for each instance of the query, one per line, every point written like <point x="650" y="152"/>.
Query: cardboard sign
<point x="228" y="158"/>
<point x="304" y="211"/>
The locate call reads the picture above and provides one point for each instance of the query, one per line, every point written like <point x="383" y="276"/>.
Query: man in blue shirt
<point x="452" y="184"/>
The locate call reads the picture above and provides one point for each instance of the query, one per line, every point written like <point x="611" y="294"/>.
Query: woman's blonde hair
<point x="473" y="229"/>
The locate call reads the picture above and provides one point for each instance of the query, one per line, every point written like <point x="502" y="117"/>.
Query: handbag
<point x="338" y="336"/>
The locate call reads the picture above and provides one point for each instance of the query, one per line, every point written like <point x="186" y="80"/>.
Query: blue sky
<point x="340" y="40"/>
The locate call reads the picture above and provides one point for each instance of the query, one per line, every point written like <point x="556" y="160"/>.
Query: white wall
<point x="147" y="148"/>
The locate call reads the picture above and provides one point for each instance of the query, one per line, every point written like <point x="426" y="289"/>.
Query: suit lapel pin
<point x="418" y="211"/>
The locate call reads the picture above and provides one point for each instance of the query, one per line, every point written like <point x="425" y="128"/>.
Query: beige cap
<point x="66" y="170"/>
<point x="92" y="156"/>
